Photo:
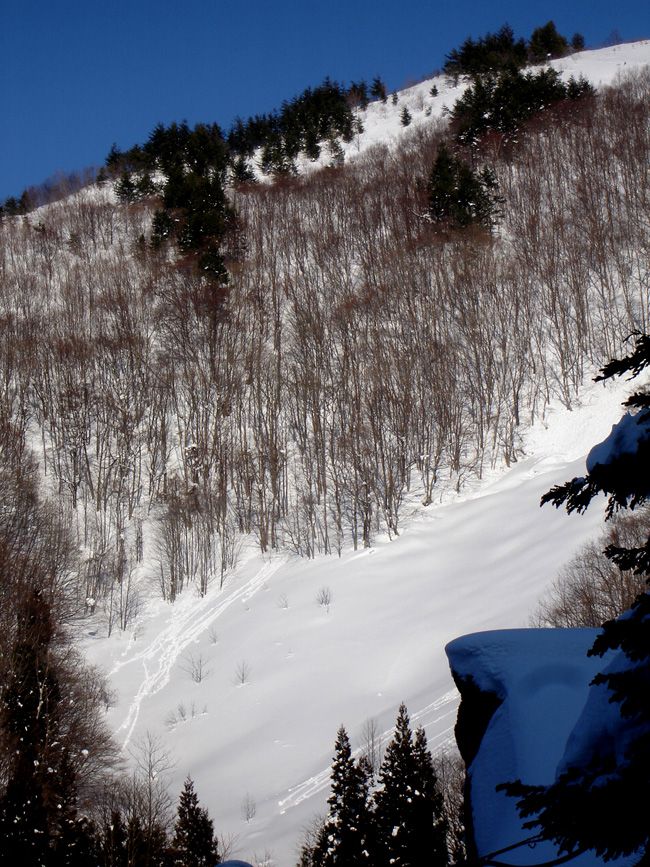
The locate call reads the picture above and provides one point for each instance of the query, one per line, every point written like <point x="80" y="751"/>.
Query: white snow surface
<point x="474" y="561"/>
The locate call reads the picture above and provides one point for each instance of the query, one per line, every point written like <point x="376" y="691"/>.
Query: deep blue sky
<point x="77" y="76"/>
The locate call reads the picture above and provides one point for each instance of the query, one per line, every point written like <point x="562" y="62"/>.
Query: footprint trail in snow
<point x="187" y="621"/>
<point x="440" y="709"/>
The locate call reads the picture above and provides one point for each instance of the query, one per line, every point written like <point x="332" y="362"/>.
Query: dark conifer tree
<point x="29" y="717"/>
<point x="125" y="188"/>
<point x="459" y="196"/>
<point x="428" y="806"/>
<point x="358" y="94"/>
<point x="344" y="839"/>
<point x="405" y="117"/>
<point x="74" y="838"/>
<point x="578" y="42"/>
<point x="378" y="89"/>
<point x="193" y="843"/>
<point x="242" y="173"/>
<point x="546" y="42"/>
<point x="408" y="808"/>
<point x="114" y="842"/>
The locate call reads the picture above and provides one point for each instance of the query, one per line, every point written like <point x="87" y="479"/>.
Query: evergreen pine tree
<point x="598" y="804"/>
<point x="344" y="838"/>
<point x="125" y="188"/>
<point x="28" y="716"/>
<point x="193" y="843"/>
<point x="74" y="842"/>
<point x="408" y="808"/>
<point x="242" y="173"/>
<point x="114" y="842"/>
<point x="405" y="117"/>
<point x="546" y="42"/>
<point x="578" y="42"/>
<point x="459" y="196"/>
<point x="428" y="807"/>
<point x="378" y="89"/>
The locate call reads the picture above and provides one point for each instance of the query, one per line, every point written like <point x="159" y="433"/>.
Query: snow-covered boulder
<point x="522" y="692"/>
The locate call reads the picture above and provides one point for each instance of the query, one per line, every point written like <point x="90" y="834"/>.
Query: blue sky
<point x="77" y="76"/>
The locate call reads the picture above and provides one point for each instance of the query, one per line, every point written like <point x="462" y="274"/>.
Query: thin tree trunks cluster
<point x="360" y="357"/>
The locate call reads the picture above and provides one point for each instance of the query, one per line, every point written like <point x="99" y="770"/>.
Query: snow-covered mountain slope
<point x="279" y="671"/>
<point x="247" y="686"/>
<point x="382" y="123"/>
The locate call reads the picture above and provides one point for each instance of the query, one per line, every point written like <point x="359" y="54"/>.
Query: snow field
<point x="281" y="672"/>
<point x="478" y="560"/>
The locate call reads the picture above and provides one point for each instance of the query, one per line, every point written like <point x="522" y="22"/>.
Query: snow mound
<point x="542" y="678"/>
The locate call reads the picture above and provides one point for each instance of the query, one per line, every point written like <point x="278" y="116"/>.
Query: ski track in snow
<point x="435" y="712"/>
<point x="185" y="625"/>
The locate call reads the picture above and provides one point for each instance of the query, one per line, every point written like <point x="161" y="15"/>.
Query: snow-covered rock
<point x="537" y="682"/>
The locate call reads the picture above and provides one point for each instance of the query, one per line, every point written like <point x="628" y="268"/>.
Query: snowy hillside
<point x="247" y="685"/>
<point x="382" y="122"/>
<point x="285" y="492"/>
<point x="478" y="560"/>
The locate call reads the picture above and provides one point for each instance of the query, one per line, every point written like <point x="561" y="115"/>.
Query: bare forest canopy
<point x="353" y="355"/>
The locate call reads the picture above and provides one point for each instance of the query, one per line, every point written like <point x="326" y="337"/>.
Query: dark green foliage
<point x="275" y="159"/>
<point x="146" y="843"/>
<point x="131" y="188"/>
<point x="336" y="152"/>
<point x="598" y="805"/>
<point x="161" y="228"/>
<point x="77" y="845"/>
<point x="410" y="827"/>
<point x="433" y="91"/>
<point x="125" y="189"/>
<point x="133" y="160"/>
<point x="15" y="207"/>
<point x="38" y="812"/>
<point x="197" y="151"/>
<point x="132" y="842"/>
<point x="316" y="115"/>
<point x="405" y="117"/>
<point x="29" y="718"/>
<point x="344" y="836"/>
<point x="459" y="196"/>
<point x="502" y="103"/>
<point x="113" y="160"/>
<point x="242" y="173"/>
<point x="114" y="842"/>
<point x="196" y="213"/>
<point x="578" y="42"/>
<point x="212" y="264"/>
<point x="546" y="43"/>
<point x="358" y="94"/>
<point x="193" y="843"/>
<point x="500" y="51"/>
<point x="378" y="89"/>
<point x="490" y="53"/>
<point x="428" y="809"/>
<point x="145" y="187"/>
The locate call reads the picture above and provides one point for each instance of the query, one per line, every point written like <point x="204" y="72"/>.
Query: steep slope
<point x="140" y="399"/>
<point x="382" y="121"/>
<point x="478" y="560"/>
